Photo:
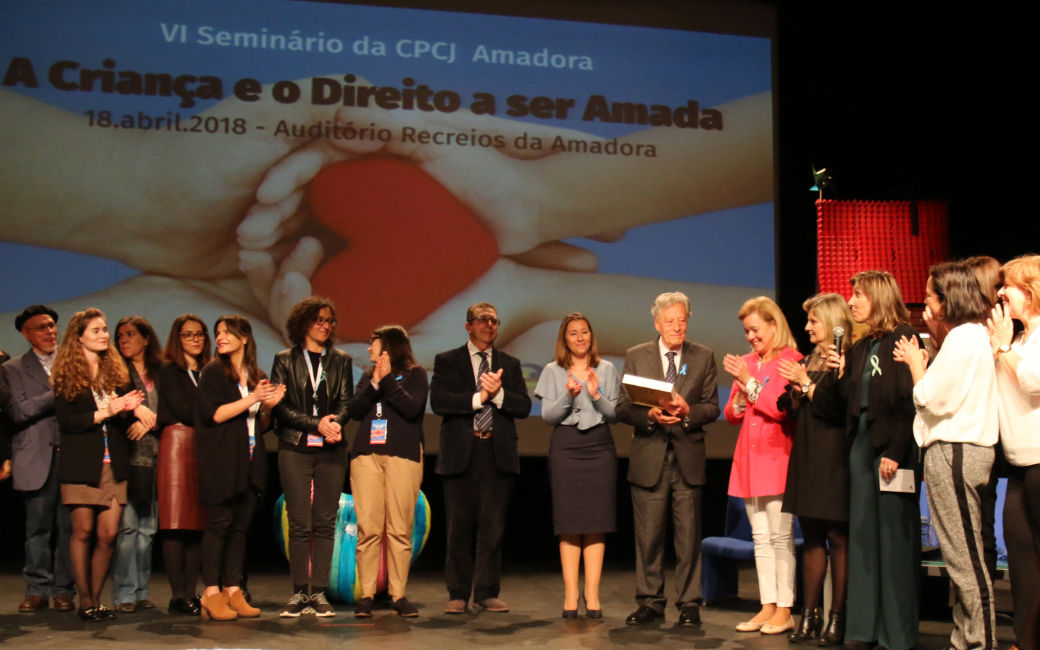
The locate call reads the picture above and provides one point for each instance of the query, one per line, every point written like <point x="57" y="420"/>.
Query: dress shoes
<point x="32" y="604"/>
<point x="690" y="616"/>
<point x="642" y="616"/>
<point x="494" y="605"/>
<point x="769" y="628"/>
<point x="834" y="632"/>
<point x="570" y="614"/>
<point x="126" y="608"/>
<point x="184" y="606"/>
<point x="104" y="613"/>
<point x="591" y="613"/>
<point x="64" y="603"/>
<point x="455" y="606"/>
<point x="808" y="627"/>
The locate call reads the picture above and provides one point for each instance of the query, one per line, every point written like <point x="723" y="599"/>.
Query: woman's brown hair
<point x="71" y="373"/>
<point x="960" y="295"/>
<point x="887" y="309"/>
<point x="987" y="272"/>
<point x="174" y="352"/>
<point x="240" y="327"/>
<point x="563" y="353"/>
<point x="394" y="341"/>
<point x="152" y="351"/>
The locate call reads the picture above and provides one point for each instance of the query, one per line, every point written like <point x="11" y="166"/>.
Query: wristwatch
<point x="806" y="386"/>
<point x="1003" y="349"/>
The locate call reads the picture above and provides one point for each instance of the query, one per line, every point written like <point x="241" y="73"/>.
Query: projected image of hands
<point x="393" y="246"/>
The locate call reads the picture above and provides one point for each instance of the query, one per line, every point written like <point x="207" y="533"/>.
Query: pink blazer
<point x="764" y="443"/>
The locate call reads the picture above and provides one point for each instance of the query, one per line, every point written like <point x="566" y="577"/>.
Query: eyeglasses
<point x="44" y="328"/>
<point x="490" y="321"/>
<point x="321" y="320"/>
<point x="193" y="336"/>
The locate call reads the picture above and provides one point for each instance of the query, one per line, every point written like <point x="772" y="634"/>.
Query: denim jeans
<point x="133" y="561"/>
<point x="47" y="573"/>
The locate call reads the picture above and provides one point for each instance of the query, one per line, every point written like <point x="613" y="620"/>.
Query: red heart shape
<point x="411" y="244"/>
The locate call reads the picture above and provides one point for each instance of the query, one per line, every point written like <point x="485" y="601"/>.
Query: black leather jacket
<point x="290" y="368"/>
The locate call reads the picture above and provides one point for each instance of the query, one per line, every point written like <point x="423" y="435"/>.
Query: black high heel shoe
<point x="591" y="613"/>
<point x="834" y="634"/>
<point x="570" y="613"/>
<point x="808" y="628"/>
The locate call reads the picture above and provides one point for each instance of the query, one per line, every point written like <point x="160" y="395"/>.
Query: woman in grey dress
<point x="579" y="392"/>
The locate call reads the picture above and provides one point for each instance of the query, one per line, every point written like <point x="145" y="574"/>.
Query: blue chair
<point x="721" y="556"/>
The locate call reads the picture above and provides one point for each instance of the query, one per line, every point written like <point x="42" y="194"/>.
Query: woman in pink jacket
<point x="760" y="459"/>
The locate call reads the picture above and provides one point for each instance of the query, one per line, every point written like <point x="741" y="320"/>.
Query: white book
<point x="903" y="481"/>
<point x="646" y="391"/>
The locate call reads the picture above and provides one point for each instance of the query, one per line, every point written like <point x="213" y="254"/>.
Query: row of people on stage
<point x="828" y="437"/>
<point x="131" y="444"/>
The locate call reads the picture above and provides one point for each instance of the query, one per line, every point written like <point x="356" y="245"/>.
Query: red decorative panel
<point x="853" y="236"/>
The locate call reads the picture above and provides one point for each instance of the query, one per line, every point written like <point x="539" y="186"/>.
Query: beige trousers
<point x="385" y="490"/>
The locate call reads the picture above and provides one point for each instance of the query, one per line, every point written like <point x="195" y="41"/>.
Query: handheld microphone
<point x="838" y="334"/>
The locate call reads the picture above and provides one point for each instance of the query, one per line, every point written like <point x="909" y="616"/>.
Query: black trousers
<point x="224" y="540"/>
<point x="312" y="525"/>
<point x="475" y="504"/>
<point x="1022" y="535"/>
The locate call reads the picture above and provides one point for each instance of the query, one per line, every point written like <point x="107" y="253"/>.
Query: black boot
<point x="834" y="634"/>
<point x="808" y="628"/>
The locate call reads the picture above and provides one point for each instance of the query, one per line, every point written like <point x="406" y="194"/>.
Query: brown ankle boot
<point x="237" y="601"/>
<point x="215" y="607"/>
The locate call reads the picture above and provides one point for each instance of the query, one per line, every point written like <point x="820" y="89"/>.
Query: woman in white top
<point x="1018" y="382"/>
<point x="956" y="426"/>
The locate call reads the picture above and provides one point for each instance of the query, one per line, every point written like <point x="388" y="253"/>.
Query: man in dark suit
<point x="34" y="463"/>
<point x="479" y="391"/>
<point x="666" y="461"/>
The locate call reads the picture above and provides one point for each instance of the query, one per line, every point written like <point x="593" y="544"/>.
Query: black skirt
<point x="583" y="477"/>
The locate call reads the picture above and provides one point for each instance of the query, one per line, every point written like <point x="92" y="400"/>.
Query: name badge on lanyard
<point x="377" y="432"/>
<point x="315" y="378"/>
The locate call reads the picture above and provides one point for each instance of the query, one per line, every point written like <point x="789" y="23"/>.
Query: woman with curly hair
<point x="319" y="381"/>
<point x="88" y="377"/>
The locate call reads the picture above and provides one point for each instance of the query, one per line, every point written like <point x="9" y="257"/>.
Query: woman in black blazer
<point x="87" y="376"/>
<point x="817" y="488"/>
<point x="232" y="411"/>
<point x="884" y="526"/>
<point x="181" y="518"/>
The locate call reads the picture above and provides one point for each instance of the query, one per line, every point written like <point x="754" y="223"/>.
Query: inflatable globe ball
<point x="343" y="580"/>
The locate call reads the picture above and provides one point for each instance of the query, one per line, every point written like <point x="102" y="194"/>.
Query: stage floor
<point x="535" y="597"/>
